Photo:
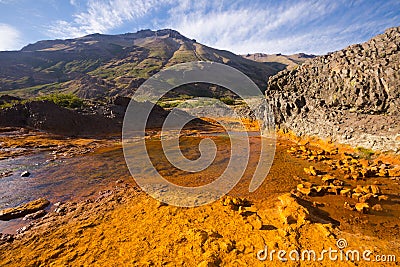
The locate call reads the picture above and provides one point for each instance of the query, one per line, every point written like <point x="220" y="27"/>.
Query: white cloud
<point x="249" y="28"/>
<point x="10" y="38"/>
<point x="242" y="26"/>
<point x="102" y="16"/>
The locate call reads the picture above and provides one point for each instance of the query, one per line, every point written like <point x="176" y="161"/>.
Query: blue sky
<point x="269" y="26"/>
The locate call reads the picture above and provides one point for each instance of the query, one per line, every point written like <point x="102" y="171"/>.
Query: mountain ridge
<point x="118" y="63"/>
<point x="280" y="61"/>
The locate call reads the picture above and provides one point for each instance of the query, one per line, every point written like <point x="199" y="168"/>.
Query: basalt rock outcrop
<point x="351" y="96"/>
<point x="47" y="116"/>
<point x="94" y="118"/>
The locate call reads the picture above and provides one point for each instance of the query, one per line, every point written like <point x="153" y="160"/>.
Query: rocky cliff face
<point x="94" y="119"/>
<point x="351" y="96"/>
<point x="47" y="116"/>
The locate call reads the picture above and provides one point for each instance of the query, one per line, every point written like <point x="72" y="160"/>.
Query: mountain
<point x="351" y="95"/>
<point x="98" y="66"/>
<point x="280" y="61"/>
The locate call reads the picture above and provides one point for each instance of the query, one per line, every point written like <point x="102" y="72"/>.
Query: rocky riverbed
<point x="311" y="198"/>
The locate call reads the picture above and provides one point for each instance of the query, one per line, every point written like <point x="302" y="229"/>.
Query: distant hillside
<point x="98" y="66"/>
<point x="280" y="61"/>
<point x="352" y="95"/>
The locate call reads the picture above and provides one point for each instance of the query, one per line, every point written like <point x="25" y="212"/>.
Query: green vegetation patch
<point x="70" y="101"/>
<point x="365" y="152"/>
<point x="63" y="100"/>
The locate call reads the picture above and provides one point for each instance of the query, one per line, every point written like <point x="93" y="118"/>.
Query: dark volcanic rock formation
<point x="351" y="96"/>
<point x="45" y="115"/>
<point x="96" y="119"/>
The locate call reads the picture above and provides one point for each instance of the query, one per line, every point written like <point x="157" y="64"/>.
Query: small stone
<point x="375" y="189"/>
<point x="359" y="189"/>
<point x="335" y="189"/>
<point x="368" y="198"/>
<point x="34" y="216"/>
<point x="317" y="204"/>
<point x="255" y="221"/>
<point x="321" y="190"/>
<point x="383" y="173"/>
<point x="348" y="206"/>
<point x="25" y="174"/>
<point x="362" y="207"/>
<point x="346" y="192"/>
<point x="6" y="238"/>
<point x="395" y="172"/>
<point x="377" y="207"/>
<point x="328" y="179"/>
<point x="383" y="198"/>
<point x="313" y="171"/>
<point x="366" y="189"/>
<point x="227" y="246"/>
<point x="308" y="184"/>
<point x="338" y="182"/>
<point x="300" y="186"/>
<point x="304" y="191"/>
<point x="356" y="196"/>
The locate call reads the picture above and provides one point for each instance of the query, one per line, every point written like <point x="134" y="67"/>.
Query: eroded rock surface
<point x="21" y="211"/>
<point x="351" y="95"/>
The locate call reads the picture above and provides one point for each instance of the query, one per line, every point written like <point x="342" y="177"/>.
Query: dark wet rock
<point x="21" y="211"/>
<point x="328" y="179"/>
<point x="34" y="216"/>
<point x="346" y="192"/>
<point x="25" y="174"/>
<point x="350" y="96"/>
<point x="6" y="238"/>
<point x="312" y="171"/>
<point x="375" y="189"/>
<point x="304" y="190"/>
<point x="235" y="203"/>
<point x="368" y="198"/>
<point x="24" y="228"/>
<point x="362" y="207"/>
<point x="61" y="208"/>
<point x="5" y="174"/>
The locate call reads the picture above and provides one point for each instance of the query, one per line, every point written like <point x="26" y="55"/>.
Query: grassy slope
<point x="60" y="67"/>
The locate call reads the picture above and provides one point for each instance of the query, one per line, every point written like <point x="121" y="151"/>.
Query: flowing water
<point x="85" y="176"/>
<point x="61" y="180"/>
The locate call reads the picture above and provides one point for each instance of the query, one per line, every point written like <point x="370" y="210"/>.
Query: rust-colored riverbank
<point x="123" y="226"/>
